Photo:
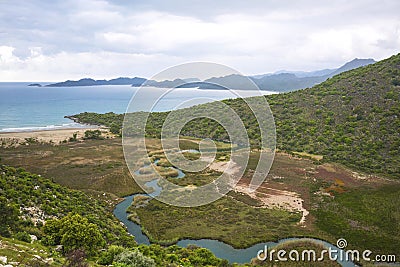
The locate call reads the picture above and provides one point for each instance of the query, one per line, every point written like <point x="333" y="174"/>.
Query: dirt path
<point x="271" y="198"/>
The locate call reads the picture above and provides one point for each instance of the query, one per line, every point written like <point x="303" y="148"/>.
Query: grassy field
<point x="27" y="254"/>
<point x="366" y="217"/>
<point x="90" y="165"/>
<point x="334" y="196"/>
<point x="320" y="186"/>
<point x="226" y="219"/>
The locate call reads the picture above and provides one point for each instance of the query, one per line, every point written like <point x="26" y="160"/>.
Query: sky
<point x="56" y="40"/>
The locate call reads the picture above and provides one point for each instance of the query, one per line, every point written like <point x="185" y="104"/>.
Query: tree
<point x="95" y="134"/>
<point x="9" y="217"/>
<point x="114" y="128"/>
<point x="74" y="232"/>
<point x="203" y="257"/>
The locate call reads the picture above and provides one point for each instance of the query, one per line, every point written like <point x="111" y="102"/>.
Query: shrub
<point x="93" y="134"/>
<point x="115" y="128"/>
<point x="74" y="232"/>
<point x="134" y="258"/>
<point x="396" y="82"/>
<point x="9" y="217"/>
<point x="73" y="138"/>
<point x="76" y="258"/>
<point x="23" y="236"/>
<point x="107" y="257"/>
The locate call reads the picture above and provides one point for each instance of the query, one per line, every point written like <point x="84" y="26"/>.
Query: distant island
<point x="35" y="85"/>
<point x="136" y="81"/>
<point x="281" y="81"/>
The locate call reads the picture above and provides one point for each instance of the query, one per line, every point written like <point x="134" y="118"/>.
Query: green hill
<point x="352" y="118"/>
<point x="33" y="205"/>
<point x="38" y="199"/>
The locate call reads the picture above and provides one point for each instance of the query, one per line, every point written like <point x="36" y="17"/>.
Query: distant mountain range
<point x="300" y="74"/>
<point x="281" y="81"/>
<point x="355" y="63"/>
<point x="290" y="81"/>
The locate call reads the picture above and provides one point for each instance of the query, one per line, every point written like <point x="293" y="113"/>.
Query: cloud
<point x="58" y="40"/>
<point x="78" y="65"/>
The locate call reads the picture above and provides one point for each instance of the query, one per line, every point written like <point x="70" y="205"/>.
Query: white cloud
<point x="39" y="67"/>
<point x="58" y="40"/>
<point x="6" y="54"/>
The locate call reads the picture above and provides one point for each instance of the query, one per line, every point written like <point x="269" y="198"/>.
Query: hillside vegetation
<point x="32" y="205"/>
<point x="352" y="118"/>
<point x="30" y="200"/>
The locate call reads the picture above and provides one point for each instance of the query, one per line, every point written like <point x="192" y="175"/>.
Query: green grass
<point x="367" y="218"/>
<point x="225" y="219"/>
<point x="236" y="219"/>
<point x="97" y="165"/>
<point x="26" y="253"/>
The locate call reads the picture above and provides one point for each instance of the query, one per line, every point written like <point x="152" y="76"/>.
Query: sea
<point x="27" y="108"/>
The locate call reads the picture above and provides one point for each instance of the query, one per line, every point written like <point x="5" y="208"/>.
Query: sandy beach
<point x="56" y="135"/>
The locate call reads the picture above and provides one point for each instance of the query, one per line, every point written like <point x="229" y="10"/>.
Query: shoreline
<point x="50" y="135"/>
<point x="57" y="129"/>
<point x="74" y="125"/>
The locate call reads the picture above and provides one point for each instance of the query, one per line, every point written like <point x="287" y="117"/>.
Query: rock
<point x="3" y="259"/>
<point x="59" y="248"/>
<point x="33" y="238"/>
<point x="49" y="260"/>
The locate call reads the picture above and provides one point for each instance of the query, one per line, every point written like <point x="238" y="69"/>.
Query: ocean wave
<point x="46" y="128"/>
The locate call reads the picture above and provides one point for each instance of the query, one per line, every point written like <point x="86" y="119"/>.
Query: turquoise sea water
<point x="24" y="108"/>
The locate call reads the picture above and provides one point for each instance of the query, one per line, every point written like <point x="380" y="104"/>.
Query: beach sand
<point x="56" y="136"/>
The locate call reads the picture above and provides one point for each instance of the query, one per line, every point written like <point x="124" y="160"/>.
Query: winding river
<point x="219" y="248"/>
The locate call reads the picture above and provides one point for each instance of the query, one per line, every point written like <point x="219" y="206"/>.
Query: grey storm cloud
<point x="53" y="40"/>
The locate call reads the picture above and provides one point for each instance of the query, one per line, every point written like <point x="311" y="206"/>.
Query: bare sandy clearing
<point x="46" y="136"/>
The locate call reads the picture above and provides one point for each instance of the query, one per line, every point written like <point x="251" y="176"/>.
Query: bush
<point x="133" y="258"/>
<point x="23" y="236"/>
<point x="115" y="128"/>
<point x="74" y="232"/>
<point x="76" y="258"/>
<point x="108" y="256"/>
<point x="95" y="134"/>
<point x="9" y="217"/>
<point x="74" y="137"/>
<point x="396" y="82"/>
